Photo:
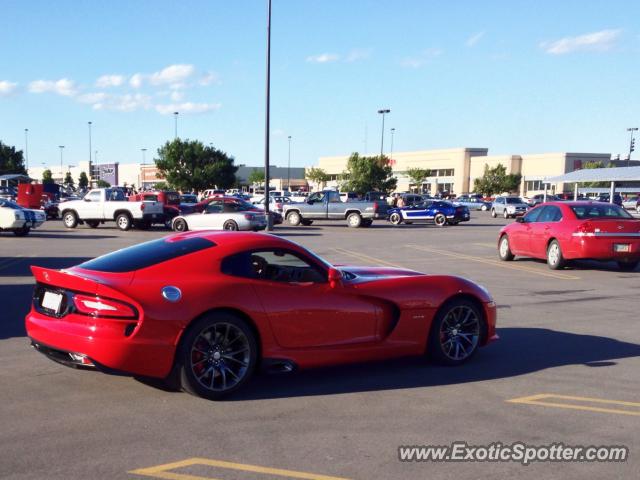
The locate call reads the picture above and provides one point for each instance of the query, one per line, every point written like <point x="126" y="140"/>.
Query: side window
<point x="214" y="207"/>
<point x="93" y="196"/>
<point x="334" y="197"/>
<point x="533" y="215"/>
<point x="550" y="214"/>
<point x="272" y="265"/>
<point x="315" y="197"/>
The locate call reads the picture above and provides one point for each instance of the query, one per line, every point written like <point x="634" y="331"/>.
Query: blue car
<point x="438" y="212"/>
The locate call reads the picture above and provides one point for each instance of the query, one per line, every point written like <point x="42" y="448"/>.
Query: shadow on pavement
<point x="21" y="266"/>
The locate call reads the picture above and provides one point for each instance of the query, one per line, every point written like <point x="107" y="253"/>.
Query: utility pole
<point x="266" y="126"/>
<point x="383" y="112"/>
<point x="631" y="144"/>
<point x="26" y="149"/>
<point x="289" y="167"/>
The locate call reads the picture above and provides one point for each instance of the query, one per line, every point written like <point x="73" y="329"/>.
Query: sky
<point x="512" y="76"/>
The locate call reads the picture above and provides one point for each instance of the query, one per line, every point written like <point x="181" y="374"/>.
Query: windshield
<point x="513" y="200"/>
<point x="9" y="204"/>
<point x="601" y="212"/>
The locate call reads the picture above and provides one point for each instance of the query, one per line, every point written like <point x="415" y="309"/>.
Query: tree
<point x="68" y="180"/>
<point x="495" y="180"/>
<point x="256" y="176"/>
<point x="418" y="175"/>
<point x="83" y="181"/>
<point x="102" y="184"/>
<point x="47" y="177"/>
<point x="317" y="175"/>
<point x="592" y="165"/>
<point x="160" y="186"/>
<point x="11" y="161"/>
<point x="190" y="166"/>
<point x="366" y="174"/>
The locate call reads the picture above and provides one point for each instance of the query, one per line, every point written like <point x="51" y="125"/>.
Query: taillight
<point x="585" y="229"/>
<point x="279" y="206"/>
<point x="142" y="206"/>
<point x="249" y="216"/>
<point x="103" y="307"/>
<point x="375" y="206"/>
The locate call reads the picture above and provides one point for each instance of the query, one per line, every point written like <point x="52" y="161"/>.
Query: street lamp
<point x="142" y="175"/>
<point x="631" y="143"/>
<point x="26" y="148"/>
<point x="289" y="167"/>
<point x="61" y="147"/>
<point x="266" y="124"/>
<point x="383" y="112"/>
<point x="175" y="126"/>
<point x="393" y="130"/>
<point x="89" y="123"/>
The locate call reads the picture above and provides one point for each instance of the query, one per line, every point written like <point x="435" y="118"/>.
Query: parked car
<point x="327" y="205"/>
<point x="473" y="202"/>
<point x="439" y="212"/>
<point x="276" y="204"/>
<point x="276" y="217"/>
<point x="632" y="203"/>
<point x="539" y="198"/>
<point x="8" y="193"/>
<point x="561" y="231"/>
<point x="188" y="198"/>
<point x="170" y="201"/>
<point x="604" y="197"/>
<point x="221" y="215"/>
<point x="17" y="219"/>
<point x="508" y="207"/>
<point x="102" y="205"/>
<point x="212" y="192"/>
<point x="203" y="310"/>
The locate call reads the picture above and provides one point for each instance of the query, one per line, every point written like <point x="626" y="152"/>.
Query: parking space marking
<point x="366" y="258"/>
<point x="488" y="245"/>
<point x="164" y="471"/>
<point x="496" y="263"/>
<point x="541" y="400"/>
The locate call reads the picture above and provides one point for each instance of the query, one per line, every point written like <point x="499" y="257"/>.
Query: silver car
<point x="221" y="215"/>
<point x="508" y="207"/>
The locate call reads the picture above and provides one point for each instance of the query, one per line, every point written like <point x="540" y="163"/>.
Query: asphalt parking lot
<point x="564" y="371"/>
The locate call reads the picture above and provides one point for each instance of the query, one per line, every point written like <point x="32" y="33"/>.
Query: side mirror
<point x="310" y="202"/>
<point x="520" y="219"/>
<point x="86" y="199"/>
<point x="335" y="277"/>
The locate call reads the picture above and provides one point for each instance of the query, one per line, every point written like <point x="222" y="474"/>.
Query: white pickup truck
<point x="110" y="205"/>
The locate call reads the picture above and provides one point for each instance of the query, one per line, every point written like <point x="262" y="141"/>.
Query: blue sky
<point x="513" y="76"/>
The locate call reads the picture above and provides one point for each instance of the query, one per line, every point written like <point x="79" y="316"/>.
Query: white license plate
<point x="52" y="301"/>
<point x="621" y="247"/>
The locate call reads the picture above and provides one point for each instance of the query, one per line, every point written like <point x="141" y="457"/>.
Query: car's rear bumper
<point x="106" y="344"/>
<point x="605" y="248"/>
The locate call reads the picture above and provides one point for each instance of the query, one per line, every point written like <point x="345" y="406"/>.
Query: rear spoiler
<point x="64" y="279"/>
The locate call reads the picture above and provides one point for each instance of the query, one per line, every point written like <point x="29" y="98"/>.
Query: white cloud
<point x="601" y="41"/>
<point x="474" y="39"/>
<point x="7" y="87"/>
<point x="323" y="58"/>
<point x="106" y="81"/>
<point x="173" y="74"/>
<point x="177" y="96"/>
<point x="64" y="87"/>
<point x="357" y="54"/>
<point x="187" y="107"/>
<point x="91" y="98"/>
<point x="208" y="78"/>
<point x="421" y="59"/>
<point x="136" y="80"/>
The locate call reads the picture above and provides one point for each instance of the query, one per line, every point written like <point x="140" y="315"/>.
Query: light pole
<point x="26" y="148"/>
<point x="289" y="167"/>
<point x="631" y="144"/>
<point x="383" y="112"/>
<point x="61" y="147"/>
<point x="89" y="125"/>
<point x="393" y="130"/>
<point x="142" y="175"/>
<point x="175" y="124"/>
<point x="266" y="124"/>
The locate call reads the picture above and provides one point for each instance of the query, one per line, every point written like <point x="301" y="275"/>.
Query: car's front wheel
<point x="555" y="260"/>
<point x="218" y="355"/>
<point x="505" y="214"/>
<point x="456" y="332"/>
<point x="70" y="219"/>
<point x="504" y="251"/>
<point x="493" y="213"/>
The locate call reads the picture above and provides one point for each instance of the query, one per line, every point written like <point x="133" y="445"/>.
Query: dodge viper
<point x="205" y="309"/>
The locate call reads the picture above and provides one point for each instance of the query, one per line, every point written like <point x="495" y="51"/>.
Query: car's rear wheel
<point x="218" y="354"/>
<point x="294" y="218"/>
<point x="440" y="220"/>
<point x="93" y="223"/>
<point x="354" y="220"/>
<point x="504" y="251"/>
<point x="180" y="225"/>
<point x="456" y="332"/>
<point x="395" y="218"/>
<point x="628" y="266"/>
<point x="123" y="221"/>
<point x="22" y="232"/>
<point x="493" y="213"/>
<point x="70" y="219"/>
<point x="555" y="260"/>
<point x="230" y="225"/>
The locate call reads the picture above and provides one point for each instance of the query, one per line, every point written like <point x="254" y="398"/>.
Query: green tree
<point x="102" y="184"/>
<point x="256" y="176"/>
<point x="47" y="177"/>
<point x="68" y="180"/>
<point x="83" y="180"/>
<point x="495" y="180"/>
<point x="160" y="186"/>
<point x="418" y="175"/>
<point x="317" y="175"/>
<point x="366" y="174"/>
<point x="189" y="165"/>
<point x="11" y="160"/>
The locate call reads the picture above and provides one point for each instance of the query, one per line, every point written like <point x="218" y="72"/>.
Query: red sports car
<point x="205" y="309"/>
<point x="561" y="231"/>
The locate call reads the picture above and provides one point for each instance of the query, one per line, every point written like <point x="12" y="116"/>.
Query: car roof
<point x="236" y="241"/>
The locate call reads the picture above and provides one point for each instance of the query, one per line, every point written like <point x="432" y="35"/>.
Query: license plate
<point x="621" y="247"/>
<point x="52" y="301"/>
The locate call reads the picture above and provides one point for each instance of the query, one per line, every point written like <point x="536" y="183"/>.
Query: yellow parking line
<point x="488" y="245"/>
<point x="496" y="263"/>
<point x="163" y="471"/>
<point x="541" y="399"/>
<point x="366" y="258"/>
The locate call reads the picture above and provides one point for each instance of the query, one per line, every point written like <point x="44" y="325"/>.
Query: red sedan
<point x="561" y="231"/>
<point x="205" y="309"/>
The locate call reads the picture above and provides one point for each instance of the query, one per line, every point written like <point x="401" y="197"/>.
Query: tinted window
<point x="550" y="214"/>
<point x="601" y="211"/>
<point x="214" y="207"/>
<point x="146" y="254"/>
<point x="513" y="200"/>
<point x="274" y="266"/>
<point x="533" y="215"/>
